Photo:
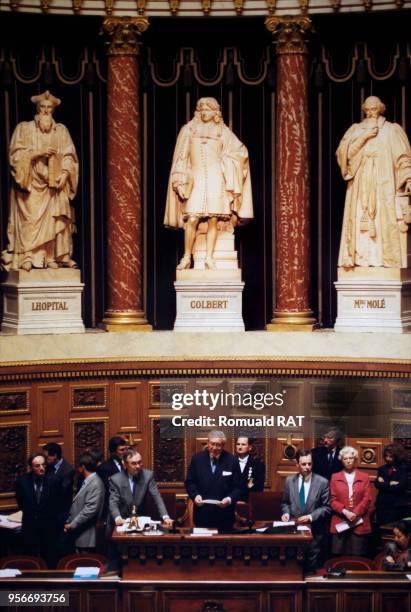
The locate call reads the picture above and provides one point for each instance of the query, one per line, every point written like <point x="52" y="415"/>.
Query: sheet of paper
<point x="343" y="526"/>
<point x="262" y="529"/>
<point x="9" y="573"/>
<point x="303" y="528"/>
<point x="216" y="502"/>
<point x="283" y="523"/>
<point x="204" y="531"/>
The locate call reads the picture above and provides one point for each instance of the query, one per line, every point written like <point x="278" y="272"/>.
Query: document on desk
<point x="344" y="525"/>
<point x="203" y="531"/>
<point x="283" y="523"/>
<point x="9" y="573"/>
<point x="86" y="573"/>
<point x="215" y="502"/>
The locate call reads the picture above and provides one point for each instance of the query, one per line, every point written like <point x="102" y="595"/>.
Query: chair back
<point x="350" y="563"/>
<point x="379" y="561"/>
<point x="70" y="562"/>
<point x="23" y="562"/>
<point x="169" y="499"/>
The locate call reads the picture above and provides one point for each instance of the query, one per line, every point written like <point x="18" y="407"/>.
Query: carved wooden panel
<point x="285" y="601"/>
<point x="234" y="601"/>
<point x="89" y="434"/>
<point x="51" y="410"/>
<point x="142" y="601"/>
<point x="319" y="601"/>
<point x="14" y="401"/>
<point x="14" y="450"/>
<point x="160" y="394"/>
<point x="89" y="397"/>
<point x="168" y="458"/>
<point x="128" y="402"/>
<point x="394" y="602"/>
<point x="401" y="399"/>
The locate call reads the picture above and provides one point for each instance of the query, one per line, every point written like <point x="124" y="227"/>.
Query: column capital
<point x="124" y="33"/>
<point x="290" y="32"/>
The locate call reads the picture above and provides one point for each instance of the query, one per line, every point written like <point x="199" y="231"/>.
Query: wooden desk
<point x="359" y="592"/>
<point x="220" y="558"/>
<point x="84" y="595"/>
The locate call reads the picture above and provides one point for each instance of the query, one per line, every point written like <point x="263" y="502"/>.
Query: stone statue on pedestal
<point x="45" y="171"/>
<point x="209" y="181"/>
<point x="42" y="288"/>
<point x="375" y="160"/>
<point x="374" y="265"/>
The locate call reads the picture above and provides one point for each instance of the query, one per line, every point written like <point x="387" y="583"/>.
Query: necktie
<point x="302" y="494"/>
<point x="213" y="464"/>
<point x="39" y="485"/>
<point x="133" y="489"/>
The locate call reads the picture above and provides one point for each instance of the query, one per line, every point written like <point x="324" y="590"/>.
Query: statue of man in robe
<point x="209" y="180"/>
<point x="45" y="170"/>
<point x="375" y="160"/>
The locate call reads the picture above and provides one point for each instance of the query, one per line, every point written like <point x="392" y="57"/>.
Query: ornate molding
<point x="77" y="6"/>
<point x="124" y="33"/>
<point x="206" y="6"/>
<point x="174" y="6"/>
<point x="290" y="33"/>
<point x="239" y="6"/>
<point x="101" y="369"/>
<point x="271" y="5"/>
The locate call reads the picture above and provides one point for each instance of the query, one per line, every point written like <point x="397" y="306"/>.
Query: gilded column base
<point x="292" y="321"/>
<point x="126" y="320"/>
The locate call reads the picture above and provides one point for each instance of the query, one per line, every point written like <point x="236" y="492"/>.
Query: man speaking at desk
<point x="306" y="500"/>
<point x="214" y="475"/>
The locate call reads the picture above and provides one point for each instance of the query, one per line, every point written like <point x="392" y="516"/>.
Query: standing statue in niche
<point x="375" y="160"/>
<point x="209" y="180"/>
<point x="45" y="170"/>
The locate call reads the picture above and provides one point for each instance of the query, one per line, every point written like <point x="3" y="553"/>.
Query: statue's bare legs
<point x="189" y="237"/>
<point x="210" y="243"/>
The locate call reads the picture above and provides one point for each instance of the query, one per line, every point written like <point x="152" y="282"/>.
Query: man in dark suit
<point x="252" y="469"/>
<point x="129" y="488"/>
<point x="38" y="496"/>
<point x="117" y="446"/>
<point x="64" y="472"/>
<point x="306" y="500"/>
<point x="325" y="457"/>
<point x="214" y="474"/>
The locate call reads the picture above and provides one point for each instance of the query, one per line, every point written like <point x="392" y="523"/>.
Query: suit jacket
<point x="121" y="500"/>
<point x="321" y="464"/>
<point x="39" y="518"/>
<point x="361" y="500"/>
<point x="317" y="503"/>
<point x="65" y="474"/>
<point x="85" y="510"/>
<point x="225" y="482"/>
<point x="105" y="471"/>
<point x="255" y="469"/>
<point x="390" y="498"/>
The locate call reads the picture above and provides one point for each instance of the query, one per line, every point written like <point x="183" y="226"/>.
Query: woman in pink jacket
<point x="350" y="502"/>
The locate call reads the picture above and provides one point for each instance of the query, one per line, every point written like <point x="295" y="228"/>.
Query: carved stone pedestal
<point x="373" y="300"/>
<point x="42" y="302"/>
<point x="209" y="300"/>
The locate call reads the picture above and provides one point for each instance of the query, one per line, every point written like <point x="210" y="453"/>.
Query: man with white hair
<point x="214" y="474"/>
<point x="375" y="160"/>
<point x="45" y="170"/>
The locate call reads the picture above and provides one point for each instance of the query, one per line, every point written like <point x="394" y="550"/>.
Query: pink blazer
<point x="361" y="498"/>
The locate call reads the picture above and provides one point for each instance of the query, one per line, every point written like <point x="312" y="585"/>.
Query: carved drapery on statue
<point x="216" y="181"/>
<point x="40" y="223"/>
<point x="377" y="170"/>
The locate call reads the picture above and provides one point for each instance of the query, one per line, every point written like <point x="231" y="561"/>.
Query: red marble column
<point x="292" y="190"/>
<point x="125" y="304"/>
